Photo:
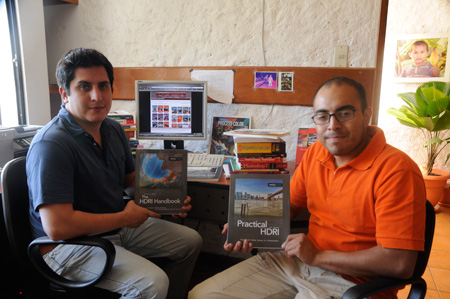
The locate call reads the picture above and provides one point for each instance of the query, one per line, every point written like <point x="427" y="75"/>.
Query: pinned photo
<point x="267" y="80"/>
<point x="286" y="81"/>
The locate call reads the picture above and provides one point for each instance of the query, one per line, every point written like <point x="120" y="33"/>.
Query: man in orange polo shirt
<point x="367" y="205"/>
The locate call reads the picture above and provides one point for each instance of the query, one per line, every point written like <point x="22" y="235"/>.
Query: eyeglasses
<point x="323" y="118"/>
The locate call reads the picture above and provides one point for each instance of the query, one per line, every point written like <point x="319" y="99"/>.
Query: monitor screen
<point x="171" y="110"/>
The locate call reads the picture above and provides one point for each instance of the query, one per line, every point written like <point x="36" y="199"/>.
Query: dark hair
<point x="80" y="57"/>
<point x="344" y="80"/>
<point x="419" y="43"/>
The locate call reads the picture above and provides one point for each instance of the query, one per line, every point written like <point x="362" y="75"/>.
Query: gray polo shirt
<point x="65" y="165"/>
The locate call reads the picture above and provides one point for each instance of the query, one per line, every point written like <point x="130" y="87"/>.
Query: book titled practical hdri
<point x="259" y="209"/>
<point x="161" y="180"/>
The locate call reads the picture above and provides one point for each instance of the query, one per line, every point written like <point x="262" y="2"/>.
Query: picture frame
<point x="427" y="63"/>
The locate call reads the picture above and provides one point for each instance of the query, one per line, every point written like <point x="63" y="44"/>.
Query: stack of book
<point x="126" y="119"/>
<point x="258" y="151"/>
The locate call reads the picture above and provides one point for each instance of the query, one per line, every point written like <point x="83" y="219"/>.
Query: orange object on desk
<point x="224" y="181"/>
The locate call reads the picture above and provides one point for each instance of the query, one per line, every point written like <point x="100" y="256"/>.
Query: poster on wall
<point x="421" y="58"/>
<point x="267" y="80"/>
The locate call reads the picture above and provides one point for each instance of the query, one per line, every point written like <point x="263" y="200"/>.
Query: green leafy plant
<point x="428" y="109"/>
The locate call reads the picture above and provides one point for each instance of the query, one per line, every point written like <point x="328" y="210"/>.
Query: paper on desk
<point x="220" y="83"/>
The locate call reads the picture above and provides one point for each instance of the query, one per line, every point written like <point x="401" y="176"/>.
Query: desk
<point x="209" y="200"/>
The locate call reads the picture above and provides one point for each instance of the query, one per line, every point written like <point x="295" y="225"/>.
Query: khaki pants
<point x="272" y="275"/>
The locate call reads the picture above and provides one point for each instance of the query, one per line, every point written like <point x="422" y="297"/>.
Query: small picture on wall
<point x="285" y="81"/>
<point x="266" y="80"/>
<point x="421" y="58"/>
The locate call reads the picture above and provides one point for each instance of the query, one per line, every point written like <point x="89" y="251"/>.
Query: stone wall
<point x="146" y="33"/>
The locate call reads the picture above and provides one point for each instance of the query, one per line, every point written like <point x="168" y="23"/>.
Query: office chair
<point x="418" y="284"/>
<point x="15" y="201"/>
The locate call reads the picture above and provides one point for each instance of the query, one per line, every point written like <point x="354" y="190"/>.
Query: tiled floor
<point x="437" y="274"/>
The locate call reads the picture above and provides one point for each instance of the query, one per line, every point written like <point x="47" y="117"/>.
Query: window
<point x="12" y="102"/>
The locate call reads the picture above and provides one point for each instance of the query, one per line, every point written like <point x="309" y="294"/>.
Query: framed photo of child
<point x="421" y="58"/>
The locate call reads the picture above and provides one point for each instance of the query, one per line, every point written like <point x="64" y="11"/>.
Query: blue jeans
<point x="133" y="275"/>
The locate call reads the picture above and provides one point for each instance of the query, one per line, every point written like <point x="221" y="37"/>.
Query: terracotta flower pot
<point x="435" y="185"/>
<point x="445" y="198"/>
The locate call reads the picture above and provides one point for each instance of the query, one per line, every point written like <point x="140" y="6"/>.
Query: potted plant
<point x="428" y="109"/>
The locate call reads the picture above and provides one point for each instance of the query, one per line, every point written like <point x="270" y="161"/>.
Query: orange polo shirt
<point x="378" y="198"/>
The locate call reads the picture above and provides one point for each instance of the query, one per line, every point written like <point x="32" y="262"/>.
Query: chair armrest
<point x="39" y="263"/>
<point x="378" y="285"/>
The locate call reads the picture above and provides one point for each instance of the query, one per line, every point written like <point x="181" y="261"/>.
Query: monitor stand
<point x="173" y="144"/>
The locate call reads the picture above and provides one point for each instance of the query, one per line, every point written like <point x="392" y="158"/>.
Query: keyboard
<point x="203" y="159"/>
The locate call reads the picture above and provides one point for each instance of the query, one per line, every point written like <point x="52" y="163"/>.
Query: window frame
<point x="11" y="11"/>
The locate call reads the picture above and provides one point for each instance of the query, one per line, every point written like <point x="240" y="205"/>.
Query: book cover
<point x="259" y="209"/>
<point x="161" y="180"/>
<point x="306" y="137"/>
<point x="223" y="144"/>
<point x="261" y="147"/>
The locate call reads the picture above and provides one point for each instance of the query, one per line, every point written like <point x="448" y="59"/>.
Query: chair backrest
<point x="422" y="258"/>
<point x="15" y="201"/>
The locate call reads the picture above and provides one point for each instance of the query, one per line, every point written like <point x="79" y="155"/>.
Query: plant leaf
<point x="444" y="87"/>
<point x="432" y="141"/>
<point x="438" y="105"/>
<point x="404" y="119"/>
<point x="410" y="98"/>
<point x="443" y="121"/>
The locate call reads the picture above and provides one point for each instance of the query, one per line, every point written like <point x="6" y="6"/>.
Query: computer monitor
<point x="172" y="111"/>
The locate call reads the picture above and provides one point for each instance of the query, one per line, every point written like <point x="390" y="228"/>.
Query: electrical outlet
<point x="340" y="56"/>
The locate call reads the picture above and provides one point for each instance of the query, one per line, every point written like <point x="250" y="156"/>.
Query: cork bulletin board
<point x="306" y="81"/>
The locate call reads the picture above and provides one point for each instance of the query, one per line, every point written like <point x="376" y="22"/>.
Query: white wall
<point x="145" y="33"/>
<point x="408" y="17"/>
<point x="62" y="28"/>
<point x="34" y="60"/>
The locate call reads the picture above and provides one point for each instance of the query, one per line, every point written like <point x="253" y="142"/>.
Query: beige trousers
<point x="272" y="275"/>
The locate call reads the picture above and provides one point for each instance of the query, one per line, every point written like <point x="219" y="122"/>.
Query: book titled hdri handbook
<point x="161" y="180"/>
<point x="259" y="209"/>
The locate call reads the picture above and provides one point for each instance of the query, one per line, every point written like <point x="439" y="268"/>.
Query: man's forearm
<point x="376" y="261"/>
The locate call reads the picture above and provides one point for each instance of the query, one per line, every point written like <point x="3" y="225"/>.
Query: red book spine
<point x="259" y="165"/>
<point x="265" y="160"/>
